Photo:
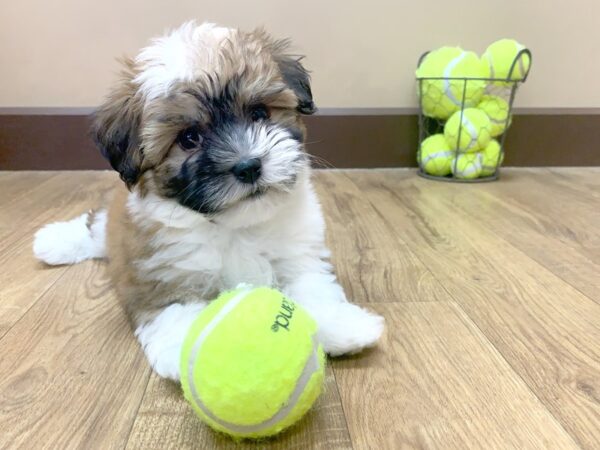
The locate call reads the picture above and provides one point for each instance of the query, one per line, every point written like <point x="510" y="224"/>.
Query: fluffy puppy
<point x="205" y="130"/>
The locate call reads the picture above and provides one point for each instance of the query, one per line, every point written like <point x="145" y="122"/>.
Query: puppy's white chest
<point x="244" y="261"/>
<point x="209" y="258"/>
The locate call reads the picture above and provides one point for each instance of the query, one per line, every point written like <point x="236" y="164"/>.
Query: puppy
<point x="205" y="130"/>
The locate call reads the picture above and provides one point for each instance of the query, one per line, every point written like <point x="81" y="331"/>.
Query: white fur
<point x="240" y="246"/>
<point x="281" y="246"/>
<point x="71" y="242"/>
<point x="276" y="239"/>
<point x="162" y="338"/>
<point x="343" y="327"/>
<point x="277" y="150"/>
<point x="179" y="55"/>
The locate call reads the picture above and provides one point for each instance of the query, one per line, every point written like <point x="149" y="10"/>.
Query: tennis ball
<point x="443" y="96"/>
<point x="491" y="157"/>
<point x="500" y="56"/>
<point x="250" y="364"/>
<point x="496" y="109"/>
<point x="468" y="130"/>
<point x="467" y="166"/>
<point x="436" y="156"/>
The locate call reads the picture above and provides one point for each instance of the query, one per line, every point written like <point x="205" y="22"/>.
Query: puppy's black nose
<point x="247" y="171"/>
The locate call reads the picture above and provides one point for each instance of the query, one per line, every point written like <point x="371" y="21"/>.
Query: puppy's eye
<point x="189" y="138"/>
<point x="259" y="112"/>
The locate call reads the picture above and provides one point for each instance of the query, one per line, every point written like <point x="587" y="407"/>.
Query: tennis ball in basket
<point x="499" y="58"/>
<point x="467" y="166"/>
<point x="491" y="157"/>
<point x="436" y="156"/>
<point x="440" y="98"/>
<point x="496" y="109"/>
<point x="251" y="365"/>
<point x="469" y="130"/>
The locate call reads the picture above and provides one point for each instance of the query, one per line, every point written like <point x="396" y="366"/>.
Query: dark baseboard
<point x="61" y="141"/>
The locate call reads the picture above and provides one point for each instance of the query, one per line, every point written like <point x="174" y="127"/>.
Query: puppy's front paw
<point x="349" y="330"/>
<point x="162" y="338"/>
<point x="165" y="362"/>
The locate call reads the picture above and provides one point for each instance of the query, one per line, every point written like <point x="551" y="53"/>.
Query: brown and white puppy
<point x="205" y="130"/>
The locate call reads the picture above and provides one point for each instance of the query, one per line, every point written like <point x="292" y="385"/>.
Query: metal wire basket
<point x="500" y="90"/>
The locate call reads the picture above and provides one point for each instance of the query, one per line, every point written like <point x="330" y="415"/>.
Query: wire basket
<point x="437" y="107"/>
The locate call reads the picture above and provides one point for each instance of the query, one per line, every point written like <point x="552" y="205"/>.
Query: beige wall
<point x="362" y="53"/>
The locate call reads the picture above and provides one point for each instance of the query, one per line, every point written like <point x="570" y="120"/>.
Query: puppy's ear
<point x="116" y="125"/>
<point x="295" y="76"/>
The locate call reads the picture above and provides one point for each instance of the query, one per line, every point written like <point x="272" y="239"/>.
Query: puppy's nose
<point x="247" y="171"/>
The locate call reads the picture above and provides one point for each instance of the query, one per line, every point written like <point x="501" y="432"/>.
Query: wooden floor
<point x="491" y="294"/>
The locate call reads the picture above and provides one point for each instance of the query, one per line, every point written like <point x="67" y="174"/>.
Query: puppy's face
<point x="209" y="117"/>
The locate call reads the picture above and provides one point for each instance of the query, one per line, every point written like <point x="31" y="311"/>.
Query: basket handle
<point x="523" y="52"/>
<point x="422" y="58"/>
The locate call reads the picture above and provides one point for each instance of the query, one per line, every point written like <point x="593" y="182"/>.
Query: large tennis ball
<point x="251" y="365"/>
<point x="468" y="130"/>
<point x="491" y="157"/>
<point x="467" y="166"/>
<point x="441" y="93"/>
<point x="499" y="58"/>
<point x="496" y="109"/>
<point x="435" y="156"/>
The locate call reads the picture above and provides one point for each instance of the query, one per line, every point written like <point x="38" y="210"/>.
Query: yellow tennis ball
<point x="467" y="166"/>
<point x="500" y="56"/>
<point x="443" y="96"/>
<point x="491" y="157"/>
<point x="496" y="109"/>
<point x="468" y="130"/>
<point x="435" y="156"/>
<point x="251" y="365"/>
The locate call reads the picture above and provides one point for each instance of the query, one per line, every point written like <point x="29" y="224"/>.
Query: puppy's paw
<point x="349" y="330"/>
<point x="164" y="361"/>
<point x="162" y="338"/>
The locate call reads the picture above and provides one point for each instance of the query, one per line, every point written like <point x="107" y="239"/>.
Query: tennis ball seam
<point x="472" y="167"/>
<point x="470" y="127"/>
<point x="442" y="154"/>
<point x="497" y="121"/>
<point x="520" y="67"/>
<point x="441" y="97"/>
<point x="311" y="366"/>
<point x="448" y="74"/>
<point x="468" y="170"/>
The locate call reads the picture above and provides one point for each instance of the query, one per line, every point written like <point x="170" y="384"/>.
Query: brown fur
<point x="128" y="243"/>
<point x="138" y="136"/>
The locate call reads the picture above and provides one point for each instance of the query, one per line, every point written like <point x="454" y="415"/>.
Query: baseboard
<point x="58" y="139"/>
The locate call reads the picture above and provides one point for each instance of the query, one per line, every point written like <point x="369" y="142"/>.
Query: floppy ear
<point x="295" y="76"/>
<point x="115" y="128"/>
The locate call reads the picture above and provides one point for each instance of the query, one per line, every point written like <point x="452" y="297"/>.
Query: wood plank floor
<point x="491" y="294"/>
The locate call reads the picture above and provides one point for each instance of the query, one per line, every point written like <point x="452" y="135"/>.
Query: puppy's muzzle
<point x="248" y="171"/>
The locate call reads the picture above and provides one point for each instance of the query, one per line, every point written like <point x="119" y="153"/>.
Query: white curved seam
<point x="310" y="367"/>
<point x="471" y="168"/>
<point x="468" y="125"/>
<point x="443" y="154"/>
<point x="447" y="74"/>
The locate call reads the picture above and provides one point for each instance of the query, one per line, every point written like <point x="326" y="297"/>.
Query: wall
<point x="60" y="53"/>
